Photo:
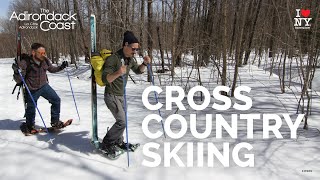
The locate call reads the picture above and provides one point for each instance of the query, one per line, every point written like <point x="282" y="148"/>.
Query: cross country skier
<point x="34" y="70"/>
<point x="112" y="76"/>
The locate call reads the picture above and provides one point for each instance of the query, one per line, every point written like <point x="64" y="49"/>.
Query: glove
<point x="146" y="60"/>
<point x="64" y="64"/>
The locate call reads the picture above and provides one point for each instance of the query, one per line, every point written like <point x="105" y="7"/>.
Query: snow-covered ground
<point x="71" y="156"/>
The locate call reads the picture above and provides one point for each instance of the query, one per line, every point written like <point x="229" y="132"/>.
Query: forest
<point x="224" y="34"/>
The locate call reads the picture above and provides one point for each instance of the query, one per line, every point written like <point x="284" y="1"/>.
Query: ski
<point x="94" y="139"/>
<point x="23" y="127"/>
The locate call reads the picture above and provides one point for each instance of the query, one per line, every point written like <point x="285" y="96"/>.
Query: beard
<point x="41" y="58"/>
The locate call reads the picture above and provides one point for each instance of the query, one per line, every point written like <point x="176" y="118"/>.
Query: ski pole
<point x="132" y="79"/>
<point x="74" y="99"/>
<point x="156" y="97"/>
<point x="126" y="113"/>
<point x="35" y="104"/>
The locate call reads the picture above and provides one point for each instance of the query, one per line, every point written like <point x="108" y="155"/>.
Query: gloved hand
<point x="146" y="60"/>
<point x="64" y="64"/>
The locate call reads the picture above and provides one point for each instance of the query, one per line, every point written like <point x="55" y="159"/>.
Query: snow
<point x="71" y="156"/>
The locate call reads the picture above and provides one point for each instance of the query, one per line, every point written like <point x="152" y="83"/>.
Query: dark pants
<point x="49" y="94"/>
<point x="116" y="106"/>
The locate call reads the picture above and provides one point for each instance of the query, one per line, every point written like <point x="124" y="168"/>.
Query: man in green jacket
<point x="115" y="76"/>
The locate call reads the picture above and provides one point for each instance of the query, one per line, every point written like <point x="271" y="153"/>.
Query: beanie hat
<point x="129" y="37"/>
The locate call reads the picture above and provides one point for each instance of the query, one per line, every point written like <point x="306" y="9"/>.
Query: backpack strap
<point x="24" y="57"/>
<point x="27" y="58"/>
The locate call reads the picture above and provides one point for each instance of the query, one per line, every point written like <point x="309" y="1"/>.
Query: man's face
<point x="39" y="54"/>
<point x="130" y="49"/>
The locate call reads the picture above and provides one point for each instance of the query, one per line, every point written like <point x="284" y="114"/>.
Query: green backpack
<point x="97" y="62"/>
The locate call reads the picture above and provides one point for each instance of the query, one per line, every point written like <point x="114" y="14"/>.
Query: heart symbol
<point x="305" y="12"/>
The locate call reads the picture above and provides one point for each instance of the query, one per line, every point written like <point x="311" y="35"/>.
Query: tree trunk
<point x="238" y="54"/>
<point x="161" y="50"/>
<point x="150" y="37"/>
<point x="173" y="53"/>
<point x="142" y="28"/>
<point x="224" y="45"/>
<point x="180" y="39"/>
<point x="234" y="25"/>
<point x="84" y="47"/>
<point x="253" y="27"/>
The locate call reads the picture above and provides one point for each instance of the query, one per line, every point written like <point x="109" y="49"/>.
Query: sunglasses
<point x="41" y="53"/>
<point x="134" y="49"/>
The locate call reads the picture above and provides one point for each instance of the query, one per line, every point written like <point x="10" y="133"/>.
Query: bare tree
<point x="150" y="37"/>
<point x="251" y="33"/>
<point x="180" y="38"/>
<point x="238" y="54"/>
<point x="174" y="24"/>
<point x="224" y="45"/>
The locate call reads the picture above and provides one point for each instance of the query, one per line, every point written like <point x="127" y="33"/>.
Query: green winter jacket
<point x="111" y="65"/>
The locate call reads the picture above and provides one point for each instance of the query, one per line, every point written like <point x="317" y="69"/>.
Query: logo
<point x="46" y="20"/>
<point x="302" y="19"/>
